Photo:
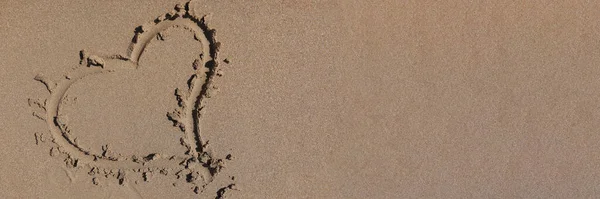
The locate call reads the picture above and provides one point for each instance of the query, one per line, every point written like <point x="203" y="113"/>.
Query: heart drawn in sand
<point x="197" y="166"/>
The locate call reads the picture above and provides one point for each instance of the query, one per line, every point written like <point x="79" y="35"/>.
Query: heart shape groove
<point x="197" y="166"/>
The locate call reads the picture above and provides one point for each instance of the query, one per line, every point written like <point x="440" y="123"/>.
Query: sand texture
<point x="299" y="99"/>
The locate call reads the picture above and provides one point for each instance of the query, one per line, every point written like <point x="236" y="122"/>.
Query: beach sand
<point x="299" y="99"/>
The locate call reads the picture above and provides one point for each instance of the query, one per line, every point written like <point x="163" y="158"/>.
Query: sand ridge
<point x="197" y="166"/>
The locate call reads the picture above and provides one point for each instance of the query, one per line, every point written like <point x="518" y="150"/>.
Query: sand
<point x="299" y="99"/>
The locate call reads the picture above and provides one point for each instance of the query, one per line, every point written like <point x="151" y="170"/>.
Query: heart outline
<point x="197" y="161"/>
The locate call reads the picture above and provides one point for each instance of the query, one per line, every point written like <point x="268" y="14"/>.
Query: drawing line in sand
<point x="197" y="166"/>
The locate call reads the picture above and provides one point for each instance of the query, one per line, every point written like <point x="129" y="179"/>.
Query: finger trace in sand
<point x="197" y="164"/>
